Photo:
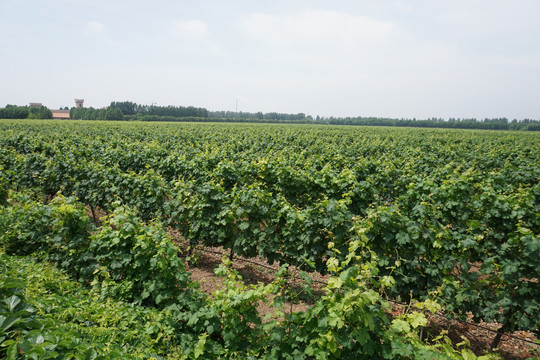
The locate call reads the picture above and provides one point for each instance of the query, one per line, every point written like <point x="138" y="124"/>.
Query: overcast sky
<point x="415" y="58"/>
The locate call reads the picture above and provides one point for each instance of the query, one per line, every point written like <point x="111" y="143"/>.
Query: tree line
<point x="134" y="111"/>
<point x="31" y="112"/>
<point x="452" y="123"/>
<point x="138" y="111"/>
<point x="25" y="112"/>
<point x="259" y="116"/>
<point x="131" y="108"/>
<point x="110" y="113"/>
<point x="127" y="110"/>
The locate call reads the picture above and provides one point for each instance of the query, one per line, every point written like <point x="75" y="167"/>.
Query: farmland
<point x="424" y="214"/>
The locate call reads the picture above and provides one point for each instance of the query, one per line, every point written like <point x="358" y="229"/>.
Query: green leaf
<point x="335" y="283"/>
<point x="322" y="322"/>
<point x="243" y="225"/>
<point x="199" y="348"/>
<point x="90" y="354"/>
<point x="12" y="351"/>
<point x="400" y="326"/>
<point x="417" y="319"/>
<point x="12" y="302"/>
<point x="7" y="322"/>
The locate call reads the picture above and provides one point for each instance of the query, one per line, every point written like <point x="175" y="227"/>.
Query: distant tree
<point x="14" y="112"/>
<point x="33" y="113"/>
<point x="114" y="113"/>
<point x="91" y="114"/>
<point x="39" y="113"/>
<point x="533" y="126"/>
<point x="101" y="114"/>
<point x="75" y="113"/>
<point x="126" y="107"/>
<point x="45" y="113"/>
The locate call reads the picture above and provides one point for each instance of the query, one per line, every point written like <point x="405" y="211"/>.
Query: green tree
<point x="114" y="113"/>
<point x="14" y="112"/>
<point x="39" y="113"/>
<point x="127" y="107"/>
<point x="45" y="113"/>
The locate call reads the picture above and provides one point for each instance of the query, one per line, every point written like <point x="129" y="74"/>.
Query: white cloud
<point x="195" y="34"/>
<point x="500" y="17"/>
<point x="95" y="27"/>
<point x="314" y="39"/>
<point x="191" y="29"/>
<point x="525" y="62"/>
<point x="315" y="27"/>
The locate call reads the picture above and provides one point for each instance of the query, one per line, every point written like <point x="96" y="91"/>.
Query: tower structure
<point x="79" y="103"/>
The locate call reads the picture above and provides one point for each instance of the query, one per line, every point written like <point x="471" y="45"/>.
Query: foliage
<point x="41" y="112"/>
<point x="110" y="113"/>
<point x="114" y="113"/>
<point x="138" y="263"/>
<point x="3" y="189"/>
<point x="60" y="230"/>
<point x="350" y="321"/>
<point x="134" y="262"/>
<point x="45" y="315"/>
<point x="480" y="256"/>
<point x="456" y="209"/>
<point x="452" y="123"/>
<point x="14" y="112"/>
<point x="178" y="112"/>
<point x="25" y="112"/>
<point x="131" y="108"/>
<point x="127" y="110"/>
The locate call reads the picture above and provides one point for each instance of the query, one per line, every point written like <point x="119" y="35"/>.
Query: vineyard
<point x="441" y="218"/>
